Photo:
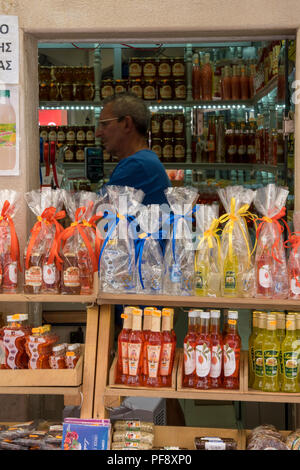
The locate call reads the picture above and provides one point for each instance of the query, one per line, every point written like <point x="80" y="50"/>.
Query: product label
<point x="69" y="155"/>
<point x="290" y="364"/>
<point x="216" y="362"/>
<point x="215" y="445"/>
<point x="270" y="357"/>
<point x="229" y="361"/>
<point x="167" y="126"/>
<point x="133" y="425"/>
<point x="33" y="276"/>
<point x="175" y="273"/>
<point x="134" y="352"/>
<point x="230" y="280"/>
<point x="135" y="70"/>
<point x="157" y="150"/>
<point x="7" y="135"/>
<point x="166" y="92"/>
<point x="203" y="360"/>
<point x="232" y="149"/>
<point x="295" y="285"/>
<point x="178" y="69"/>
<point x="178" y="126"/>
<point x="168" y="151"/>
<point x="49" y="273"/>
<point x="264" y="276"/>
<point x="133" y="436"/>
<point x="165" y="359"/>
<point x="80" y="155"/>
<point x="164" y="70"/>
<point x="251" y="150"/>
<point x="242" y="149"/>
<point x="137" y="89"/>
<point x="2" y="353"/>
<point x="179" y="151"/>
<point x="259" y="363"/>
<point x="106" y="91"/>
<point x="201" y="281"/>
<point x="124" y="352"/>
<point x="9" y="341"/>
<point x="71" y="277"/>
<point x="149" y="92"/>
<point x="153" y="355"/>
<point x="180" y="92"/>
<point x="32" y="345"/>
<point x="155" y="127"/>
<point x="149" y="70"/>
<point x="189" y="358"/>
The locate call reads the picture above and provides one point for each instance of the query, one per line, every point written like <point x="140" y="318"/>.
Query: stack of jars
<point x="66" y="83"/>
<point x="168" y="136"/>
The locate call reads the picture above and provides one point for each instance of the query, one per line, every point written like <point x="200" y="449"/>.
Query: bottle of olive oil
<point x="201" y="272"/>
<point x="230" y="275"/>
<point x="258" y="355"/>
<point x="271" y="350"/>
<point x="290" y="356"/>
<point x="252" y="337"/>
<point x="280" y="329"/>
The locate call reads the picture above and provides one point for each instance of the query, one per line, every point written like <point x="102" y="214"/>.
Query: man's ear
<point x="129" y="124"/>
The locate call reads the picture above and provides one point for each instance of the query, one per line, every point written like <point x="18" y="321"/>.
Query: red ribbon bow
<point x="14" y="242"/>
<point x="277" y="225"/>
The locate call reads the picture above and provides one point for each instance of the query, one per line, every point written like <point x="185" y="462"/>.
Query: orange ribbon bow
<point x="277" y="226"/>
<point x="14" y="242"/>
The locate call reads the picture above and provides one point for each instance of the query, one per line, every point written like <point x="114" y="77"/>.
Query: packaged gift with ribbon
<point x="78" y="246"/>
<point x="179" y="255"/>
<point x="9" y="243"/>
<point x="271" y="272"/>
<point x="208" y="251"/>
<point x="293" y="243"/>
<point x="237" y="278"/>
<point x="149" y="255"/>
<point x="117" y="270"/>
<point x="41" y="273"/>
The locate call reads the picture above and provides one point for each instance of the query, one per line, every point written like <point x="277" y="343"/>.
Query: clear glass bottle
<point x="154" y="349"/>
<point x="203" y="353"/>
<point x="135" y="349"/>
<point x="254" y="332"/>
<point x="216" y="350"/>
<point x="231" y="354"/>
<point x="189" y="354"/>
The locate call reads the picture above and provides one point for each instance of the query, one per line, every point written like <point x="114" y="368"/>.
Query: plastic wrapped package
<point x="179" y="255"/>
<point x="266" y="437"/>
<point x="9" y="243"/>
<point x="78" y="246"/>
<point x="208" y="252"/>
<point x="293" y="242"/>
<point x="149" y="256"/>
<point x="41" y="270"/>
<point x="117" y="270"/>
<point x="271" y="273"/>
<point x="237" y="279"/>
<point x="293" y="440"/>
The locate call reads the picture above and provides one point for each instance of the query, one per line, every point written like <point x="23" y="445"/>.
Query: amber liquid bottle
<point x="135" y="350"/>
<point x="189" y="345"/>
<point x="154" y="349"/>
<point x="146" y="331"/>
<point x="203" y="353"/>
<point x="244" y="84"/>
<point x="85" y="271"/>
<point x="235" y="84"/>
<point x="14" y="339"/>
<point x="207" y="76"/>
<point x="227" y="84"/>
<point x="168" y="350"/>
<point x="70" y="279"/>
<point x="123" y="338"/>
<point x="216" y="350"/>
<point x="231" y="355"/>
<point x="33" y="276"/>
<point x="196" y="78"/>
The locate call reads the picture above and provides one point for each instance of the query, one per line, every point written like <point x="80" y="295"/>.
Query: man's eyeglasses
<point x="104" y="122"/>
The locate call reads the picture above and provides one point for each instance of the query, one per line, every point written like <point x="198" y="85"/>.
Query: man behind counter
<point x="122" y="127"/>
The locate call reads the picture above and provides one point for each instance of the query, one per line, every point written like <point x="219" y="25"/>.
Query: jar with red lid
<point x="179" y="150"/>
<point x="179" y="90"/>
<point x="156" y="130"/>
<point x="165" y="89"/>
<point x="149" y="91"/>
<point x="120" y="86"/>
<point x="150" y="67"/>
<point x="135" y="67"/>
<point x="66" y="91"/>
<point x="44" y="91"/>
<point x="107" y="88"/>
<point x="136" y="87"/>
<point x="88" y="91"/>
<point x="165" y="67"/>
<point x="69" y="154"/>
<point x="179" y="125"/>
<point x="178" y="68"/>
<point x="79" y="153"/>
<point x="167" y="150"/>
<point x="167" y="125"/>
<point x="156" y="147"/>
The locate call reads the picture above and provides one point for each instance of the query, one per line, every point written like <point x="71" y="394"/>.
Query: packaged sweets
<point x="39" y="347"/>
<point x="117" y="270"/>
<point x="266" y="437"/>
<point x="149" y="256"/>
<point x="208" y="252"/>
<point x="9" y="243"/>
<point x="133" y="436"/>
<point x="215" y="443"/>
<point x="145" y="426"/>
<point x="179" y="253"/>
<point x="271" y="273"/>
<point x="41" y="273"/>
<point x="78" y="246"/>
<point x="237" y="278"/>
<point x="293" y="242"/>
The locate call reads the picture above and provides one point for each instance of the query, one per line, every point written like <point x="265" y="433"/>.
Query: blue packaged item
<point x="85" y="436"/>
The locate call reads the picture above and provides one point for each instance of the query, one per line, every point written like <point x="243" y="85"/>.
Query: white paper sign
<point x="9" y="49"/>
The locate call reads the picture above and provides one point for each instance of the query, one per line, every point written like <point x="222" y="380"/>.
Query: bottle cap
<point x="148" y="310"/>
<point x="215" y="313"/>
<point x="4" y="93"/>
<point x="156" y="313"/>
<point x="128" y="310"/>
<point x="205" y="315"/>
<point x="193" y="314"/>
<point x="137" y="311"/>
<point x="167" y="311"/>
<point x="36" y="330"/>
<point x="73" y="347"/>
<point x="17" y="317"/>
<point x="59" y="347"/>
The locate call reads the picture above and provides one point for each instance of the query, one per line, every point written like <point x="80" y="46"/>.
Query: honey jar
<point x="179" y="90"/>
<point x="89" y="134"/>
<point x="178" y="67"/>
<point x="107" y="88"/>
<point x="179" y="150"/>
<point x="179" y="125"/>
<point x="44" y="91"/>
<point x="149" y="91"/>
<point x="70" y="135"/>
<point x="80" y="134"/>
<point x="120" y="86"/>
<point x="156" y="146"/>
<point x="167" y="150"/>
<point x="149" y="68"/>
<point x="167" y="125"/>
<point x="78" y="92"/>
<point x="165" y="67"/>
<point x="69" y="155"/>
<point x="79" y="153"/>
<point x="156" y="130"/>
<point x="135" y="68"/>
<point x="136" y="87"/>
<point x="165" y="90"/>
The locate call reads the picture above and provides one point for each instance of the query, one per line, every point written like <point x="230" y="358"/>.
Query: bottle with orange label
<point x="72" y="355"/>
<point x="31" y="346"/>
<point x="57" y="358"/>
<point x="122" y="371"/>
<point x="146" y="332"/>
<point x="14" y="339"/>
<point x="215" y="372"/>
<point x="135" y="349"/>
<point x="189" y="345"/>
<point x="171" y="310"/>
<point x="153" y="350"/>
<point x="231" y="355"/>
<point x="203" y="353"/>
<point x="168" y="349"/>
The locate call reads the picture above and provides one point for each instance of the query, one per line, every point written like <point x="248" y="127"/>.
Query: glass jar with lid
<point x="164" y="67"/>
<point x="149" y="91"/>
<point x="166" y="90"/>
<point x="178" y="68"/>
<point x="135" y="67"/>
<point x="179" y="89"/>
<point x="167" y="150"/>
<point x="107" y="88"/>
<point x="137" y="87"/>
<point x="150" y="67"/>
<point x="167" y="125"/>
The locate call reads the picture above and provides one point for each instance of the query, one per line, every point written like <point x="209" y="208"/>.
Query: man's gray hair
<point x="128" y="104"/>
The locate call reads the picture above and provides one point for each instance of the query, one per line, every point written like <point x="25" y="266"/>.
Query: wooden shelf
<point x="41" y="390"/>
<point x="21" y="297"/>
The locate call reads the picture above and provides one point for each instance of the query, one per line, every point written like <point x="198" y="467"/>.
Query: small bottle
<point x="264" y="270"/>
<point x="231" y="354"/>
<point x="146" y="332"/>
<point x="244" y="81"/>
<point x="270" y="352"/>
<point x="290" y="356"/>
<point x="57" y="358"/>
<point x="203" y="353"/>
<point x="168" y="349"/>
<point x="254" y="332"/>
<point x="227" y="83"/>
<point x="7" y="131"/>
<point x="216" y="350"/>
<point x="72" y="355"/>
<point x="135" y="349"/>
<point x="70" y="278"/>
<point x="33" y="273"/>
<point x="32" y="345"/>
<point x="154" y="348"/>
<point x="258" y="357"/>
<point x="189" y="345"/>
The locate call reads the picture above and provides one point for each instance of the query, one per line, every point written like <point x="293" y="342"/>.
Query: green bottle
<point x="290" y="356"/>
<point x="252" y="337"/>
<point x="271" y="351"/>
<point x="280" y="317"/>
<point x="258" y="355"/>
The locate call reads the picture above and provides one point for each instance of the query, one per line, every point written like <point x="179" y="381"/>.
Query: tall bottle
<point x="264" y="269"/>
<point x="251" y="340"/>
<point x="135" y="349"/>
<point x="242" y="144"/>
<point x="227" y="83"/>
<point x="168" y="349"/>
<point x="231" y="147"/>
<point x="189" y="345"/>
<point x="290" y="349"/>
<point x="235" y="84"/>
<point x="270" y="351"/>
<point x="146" y="332"/>
<point x="215" y="372"/>
<point x="201" y="272"/>
<point x="244" y="81"/>
<point x="280" y="331"/>
<point x="298" y="326"/>
<point x="70" y="278"/>
<point x="220" y="140"/>
<point x="258" y="355"/>
<point x="251" y="157"/>
<point x="7" y="132"/>
<point x="33" y="275"/>
<point x="231" y="354"/>
<point x="196" y="78"/>
<point x="294" y="274"/>
<point x="123" y="339"/>
<point x="154" y="348"/>
<point x="203" y="353"/>
<point x="207" y="76"/>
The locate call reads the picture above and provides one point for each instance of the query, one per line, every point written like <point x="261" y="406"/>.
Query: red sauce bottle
<point x="146" y="331"/>
<point x="168" y="349"/>
<point x="235" y="84"/>
<point x="203" y="353"/>
<point x="206" y="78"/>
<point x="231" y="354"/>
<point x="122" y="370"/>
<point x="215" y="372"/>
<point x="189" y="353"/>
<point x="196" y="78"/>
<point x="14" y="339"/>
<point x="135" y="349"/>
<point x="154" y="349"/>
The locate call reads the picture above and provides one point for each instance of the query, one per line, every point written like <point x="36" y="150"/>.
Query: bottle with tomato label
<point x="50" y="277"/>
<point x="122" y="371"/>
<point x="146" y="331"/>
<point x="153" y="350"/>
<point x="215" y="372"/>
<point x="135" y="350"/>
<point x="231" y="353"/>
<point x="203" y="353"/>
<point x="14" y="339"/>
<point x="189" y="354"/>
<point x="168" y="349"/>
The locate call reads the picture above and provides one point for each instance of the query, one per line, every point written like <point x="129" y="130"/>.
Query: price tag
<point x="9" y="49"/>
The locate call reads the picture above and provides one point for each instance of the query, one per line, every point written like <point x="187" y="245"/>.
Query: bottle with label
<point x="196" y="77"/>
<point x="242" y="144"/>
<point x="231" y="147"/>
<point x="298" y="326"/>
<point x="70" y="279"/>
<point x="235" y="83"/>
<point x="227" y="83"/>
<point x="9" y="271"/>
<point x="280" y="331"/>
<point x="258" y="357"/>
<point x="251" y="340"/>
<point x="294" y="274"/>
<point x="171" y="310"/>
<point x="264" y="270"/>
<point x="50" y="277"/>
<point x="203" y="353"/>
<point x="290" y="350"/>
<point x="32" y="347"/>
<point x="189" y="354"/>
<point x="135" y="349"/>
<point x="154" y="350"/>
<point x="201" y="271"/>
<point x="168" y="349"/>
<point x="244" y="81"/>
<point x="270" y="354"/>
<point x="146" y="332"/>
<point x="47" y="342"/>
<point x="72" y="355"/>
<point x="14" y="339"/>
<point x="231" y="353"/>
<point x="57" y="358"/>
<point x="86" y="274"/>
<point x="230" y="275"/>
<point x="251" y="156"/>
<point x="33" y="273"/>
<point x="123" y="338"/>
<point x="207" y="78"/>
<point x="215" y="372"/>
<point x="7" y="132"/>
<point x="220" y="140"/>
